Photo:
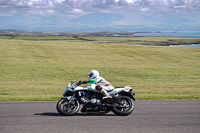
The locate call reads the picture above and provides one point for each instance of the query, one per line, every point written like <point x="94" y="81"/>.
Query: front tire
<point x="67" y="109"/>
<point x="124" y="107"/>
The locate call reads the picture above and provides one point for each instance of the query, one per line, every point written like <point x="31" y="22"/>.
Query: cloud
<point x="76" y="8"/>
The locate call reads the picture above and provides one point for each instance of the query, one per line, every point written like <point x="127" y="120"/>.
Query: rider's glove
<point x="84" y="82"/>
<point x="79" y="83"/>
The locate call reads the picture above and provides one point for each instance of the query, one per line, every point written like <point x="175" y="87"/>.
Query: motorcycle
<point x="121" y="102"/>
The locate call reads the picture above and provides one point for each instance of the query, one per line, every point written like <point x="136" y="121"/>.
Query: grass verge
<point x="40" y="70"/>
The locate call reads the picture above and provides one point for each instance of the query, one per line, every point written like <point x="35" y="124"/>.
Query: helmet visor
<point x="90" y="75"/>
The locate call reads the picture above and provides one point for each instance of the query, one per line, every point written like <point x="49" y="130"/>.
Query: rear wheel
<point x="65" y="108"/>
<point x="124" y="106"/>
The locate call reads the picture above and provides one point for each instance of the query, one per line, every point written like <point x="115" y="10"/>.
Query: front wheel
<point x="124" y="106"/>
<point x="65" y="108"/>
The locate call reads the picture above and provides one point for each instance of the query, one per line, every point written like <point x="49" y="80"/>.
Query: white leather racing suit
<point x="106" y="86"/>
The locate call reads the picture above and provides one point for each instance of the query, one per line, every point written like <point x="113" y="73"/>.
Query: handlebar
<point x="73" y="81"/>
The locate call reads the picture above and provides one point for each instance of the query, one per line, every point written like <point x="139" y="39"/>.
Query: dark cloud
<point x="74" y="8"/>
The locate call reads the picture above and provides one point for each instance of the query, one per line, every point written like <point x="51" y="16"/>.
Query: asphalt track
<point x="150" y="116"/>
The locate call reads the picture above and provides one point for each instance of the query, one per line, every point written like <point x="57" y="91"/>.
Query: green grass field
<point x="40" y="70"/>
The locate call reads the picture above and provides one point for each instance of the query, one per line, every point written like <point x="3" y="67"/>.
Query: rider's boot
<point x="106" y="94"/>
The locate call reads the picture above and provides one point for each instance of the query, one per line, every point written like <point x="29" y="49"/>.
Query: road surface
<point x="149" y="116"/>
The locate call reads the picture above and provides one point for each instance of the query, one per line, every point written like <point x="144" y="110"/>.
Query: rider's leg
<point x="105" y="94"/>
<point x="105" y="89"/>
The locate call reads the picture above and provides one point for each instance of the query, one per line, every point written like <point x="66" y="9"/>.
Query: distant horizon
<point x="100" y="22"/>
<point x="104" y="33"/>
<point x="154" y="31"/>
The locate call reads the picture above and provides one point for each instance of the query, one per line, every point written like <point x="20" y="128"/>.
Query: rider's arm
<point x="89" y="81"/>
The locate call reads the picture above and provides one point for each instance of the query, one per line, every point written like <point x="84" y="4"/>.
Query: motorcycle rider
<point x="102" y="85"/>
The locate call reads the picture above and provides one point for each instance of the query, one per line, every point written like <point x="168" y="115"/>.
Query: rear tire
<point x="67" y="109"/>
<point x="124" y="107"/>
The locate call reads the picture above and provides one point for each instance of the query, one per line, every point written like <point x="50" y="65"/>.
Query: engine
<point x="86" y="100"/>
<point x="92" y="101"/>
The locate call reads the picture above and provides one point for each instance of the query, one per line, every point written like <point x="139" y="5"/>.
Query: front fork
<point x="72" y="97"/>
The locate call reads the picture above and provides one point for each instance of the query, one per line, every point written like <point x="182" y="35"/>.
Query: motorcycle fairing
<point x="119" y="89"/>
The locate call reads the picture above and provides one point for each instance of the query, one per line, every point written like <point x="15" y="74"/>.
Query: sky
<point x="108" y="14"/>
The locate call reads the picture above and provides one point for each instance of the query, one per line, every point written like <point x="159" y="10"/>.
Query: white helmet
<point x="93" y="74"/>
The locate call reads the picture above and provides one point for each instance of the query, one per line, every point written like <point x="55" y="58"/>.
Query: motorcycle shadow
<point x="78" y="114"/>
<point x="93" y="114"/>
<point x="48" y="114"/>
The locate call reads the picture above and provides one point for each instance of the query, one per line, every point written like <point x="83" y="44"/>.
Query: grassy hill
<point x="40" y="70"/>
